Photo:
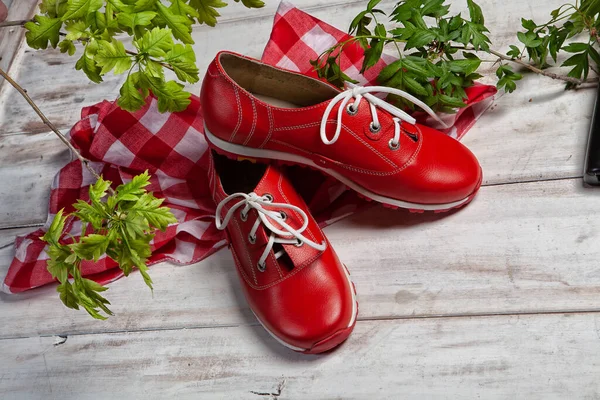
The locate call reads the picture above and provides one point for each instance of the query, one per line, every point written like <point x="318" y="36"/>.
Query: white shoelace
<point x="285" y="235"/>
<point x="360" y="92"/>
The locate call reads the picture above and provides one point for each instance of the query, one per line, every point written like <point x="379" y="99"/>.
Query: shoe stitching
<point x="374" y="150"/>
<point x="309" y="125"/>
<point x="246" y="251"/>
<point x="312" y="236"/>
<point x="272" y="255"/>
<point x="254" y="120"/>
<point x="294" y="272"/>
<point x="239" y="108"/>
<point x="414" y="156"/>
<point x="359" y="170"/>
<point x="271" y="126"/>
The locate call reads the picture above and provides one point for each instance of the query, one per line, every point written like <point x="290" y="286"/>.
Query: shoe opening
<point x="238" y="176"/>
<point x="275" y="86"/>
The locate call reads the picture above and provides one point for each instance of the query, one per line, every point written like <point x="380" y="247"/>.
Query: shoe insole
<point x="276" y="102"/>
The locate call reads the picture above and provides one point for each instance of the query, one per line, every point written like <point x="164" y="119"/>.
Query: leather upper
<point x="429" y="167"/>
<point x="301" y="303"/>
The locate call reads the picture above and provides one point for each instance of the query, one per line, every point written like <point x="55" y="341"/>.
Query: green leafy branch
<point x="120" y="225"/>
<point x="428" y="41"/>
<point x="161" y="37"/>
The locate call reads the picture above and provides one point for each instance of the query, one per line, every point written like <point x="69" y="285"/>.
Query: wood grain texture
<point x="521" y="248"/>
<point x="11" y="39"/>
<point x="502" y="357"/>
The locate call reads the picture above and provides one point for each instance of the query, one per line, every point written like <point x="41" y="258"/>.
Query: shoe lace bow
<point x="284" y="234"/>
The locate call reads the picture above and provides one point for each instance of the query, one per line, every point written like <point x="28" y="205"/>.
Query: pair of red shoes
<point x="293" y="280"/>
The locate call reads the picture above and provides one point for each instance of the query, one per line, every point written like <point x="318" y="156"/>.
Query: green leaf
<point x="593" y="53"/>
<point x="155" y="70"/>
<point x="112" y="56"/>
<point x="54" y="232"/>
<point x="514" y="51"/>
<point x="252" y="3"/>
<point x="420" y="38"/>
<point x="434" y="8"/>
<point x="576" y="47"/>
<point x="96" y="21"/>
<point x="207" y="10"/>
<point x="186" y="71"/>
<point x="67" y="296"/>
<point x="119" y="6"/>
<point x="180" y="25"/>
<point x="134" y="187"/>
<point x="156" y="42"/>
<point x="145" y="5"/>
<point x="180" y="7"/>
<point x="88" y="66"/>
<point x="98" y="190"/>
<point x="451" y="101"/>
<point x="149" y="207"/>
<point x="414" y="87"/>
<point x="131" y="21"/>
<point x="76" y="29"/>
<point x="528" y="24"/>
<point x="53" y="8"/>
<point x="475" y="13"/>
<point x="466" y="66"/>
<point x="67" y="46"/>
<point x="43" y="30"/>
<point x="473" y="33"/>
<point x="171" y="96"/>
<point x="90" y="247"/>
<point x="529" y="39"/>
<point x="372" y="54"/>
<point x="80" y="8"/>
<point x="580" y="64"/>
<point x="372" y="4"/>
<point x="130" y="98"/>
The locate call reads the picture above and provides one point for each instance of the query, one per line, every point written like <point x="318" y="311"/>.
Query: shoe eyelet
<point x="351" y="110"/>
<point x="298" y="243"/>
<point x="243" y="217"/>
<point x="393" y="146"/>
<point x="374" y="128"/>
<point x="283" y="215"/>
<point x="261" y="267"/>
<point x="268" y="197"/>
<point x="251" y="239"/>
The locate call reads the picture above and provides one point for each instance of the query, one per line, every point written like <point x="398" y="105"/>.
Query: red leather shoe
<point x="258" y="111"/>
<point x="293" y="280"/>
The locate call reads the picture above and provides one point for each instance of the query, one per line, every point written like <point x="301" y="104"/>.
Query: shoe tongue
<point x="275" y="183"/>
<point x="270" y="184"/>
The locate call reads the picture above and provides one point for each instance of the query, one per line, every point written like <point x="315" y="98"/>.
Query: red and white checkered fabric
<point x="121" y="144"/>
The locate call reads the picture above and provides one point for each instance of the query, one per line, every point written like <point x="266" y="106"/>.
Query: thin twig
<point x="50" y="125"/>
<point x="534" y="68"/>
<point x="6" y="24"/>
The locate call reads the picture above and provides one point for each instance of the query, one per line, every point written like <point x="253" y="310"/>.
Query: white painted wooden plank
<point x="502" y="357"/>
<point x="517" y="248"/>
<point x="11" y="38"/>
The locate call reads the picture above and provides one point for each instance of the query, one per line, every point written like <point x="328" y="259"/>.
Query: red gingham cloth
<point x="121" y="144"/>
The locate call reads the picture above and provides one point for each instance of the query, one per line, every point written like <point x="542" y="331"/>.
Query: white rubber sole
<point x="352" y="319"/>
<point x="280" y="155"/>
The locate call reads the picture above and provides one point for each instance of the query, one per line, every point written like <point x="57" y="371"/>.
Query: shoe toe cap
<point x="449" y="171"/>
<point x="313" y="311"/>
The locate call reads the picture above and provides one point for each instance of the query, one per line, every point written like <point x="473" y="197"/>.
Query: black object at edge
<point x="591" y="172"/>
